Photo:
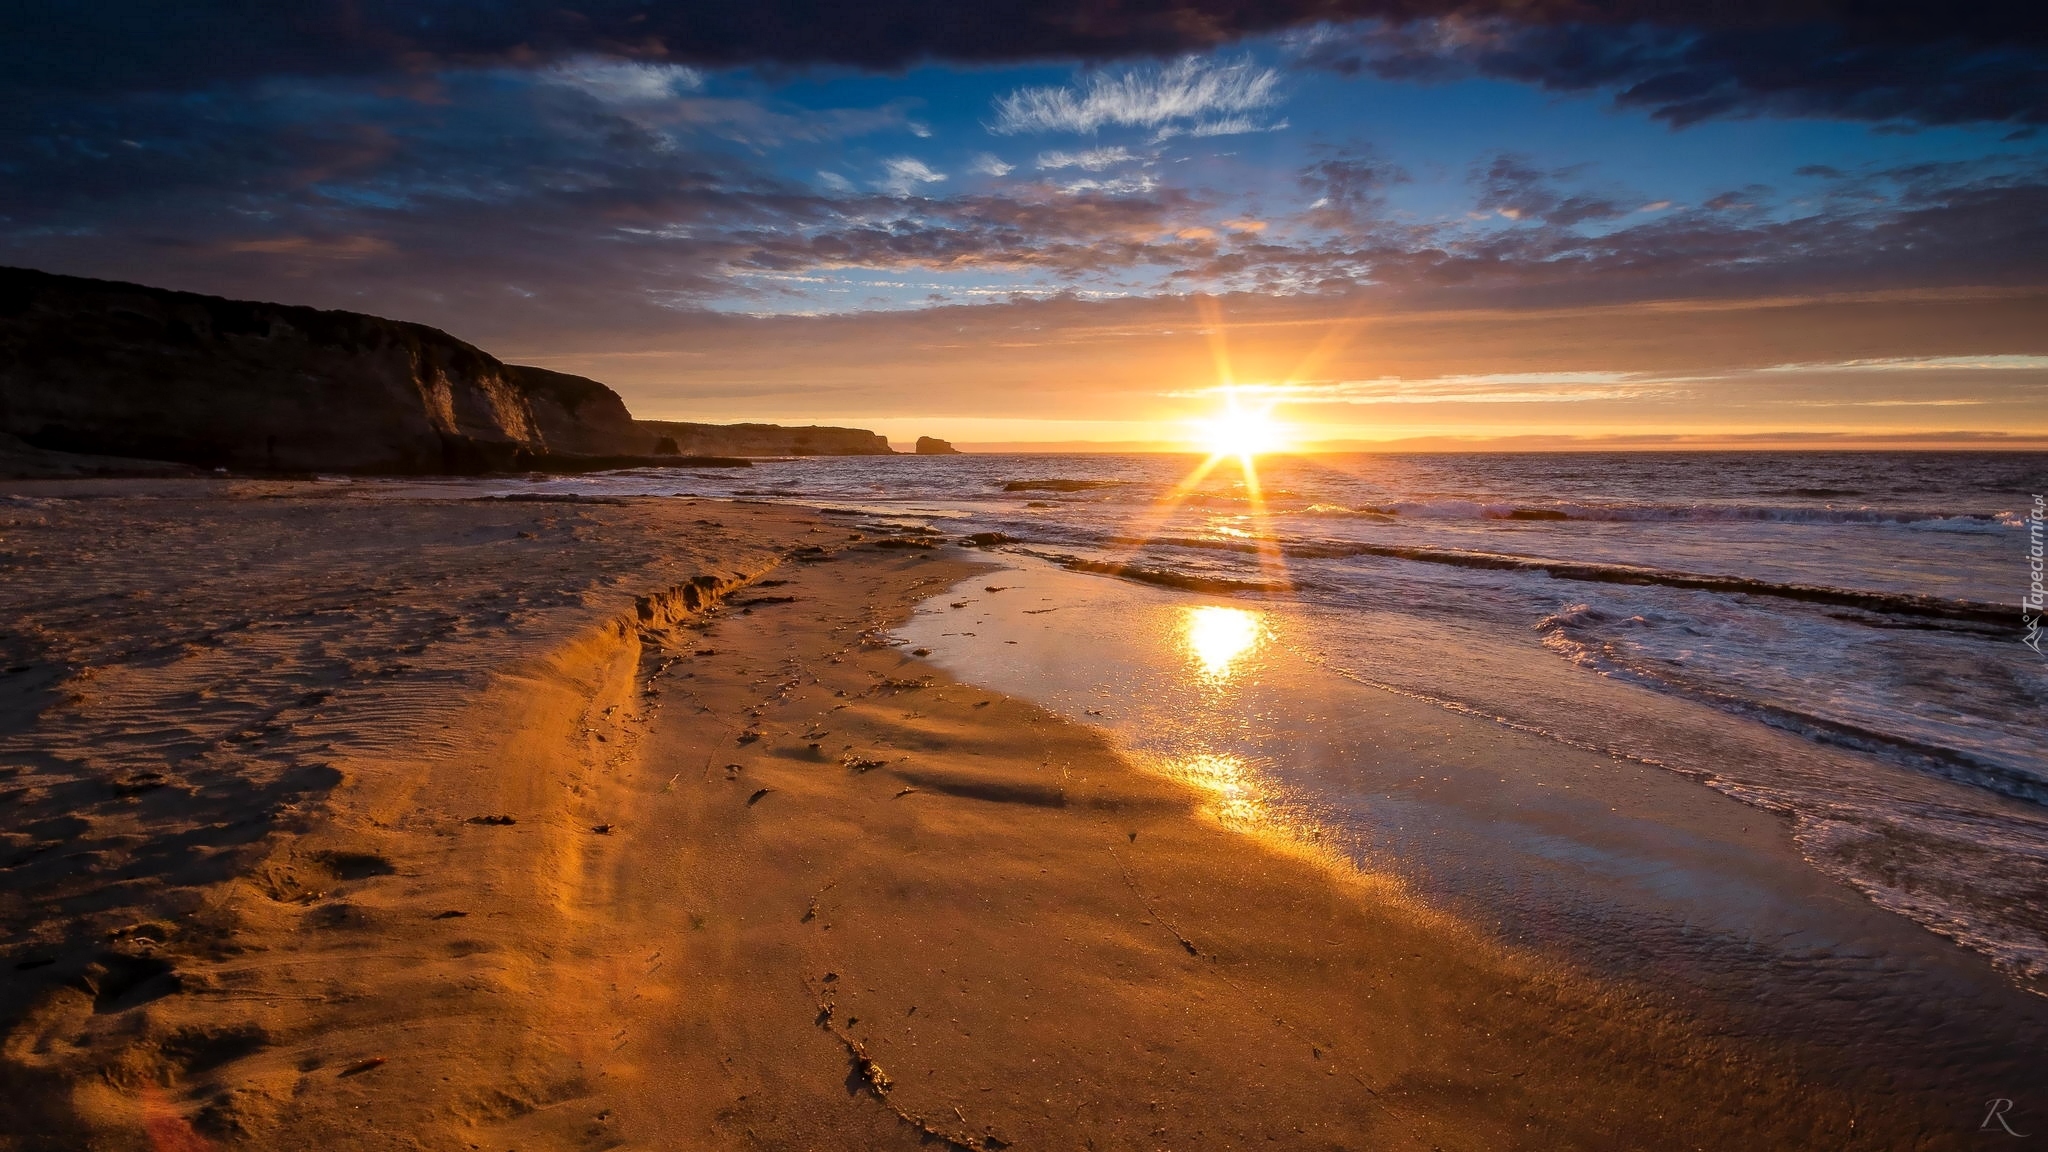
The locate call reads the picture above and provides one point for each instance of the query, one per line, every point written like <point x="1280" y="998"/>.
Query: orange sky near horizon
<point x="1944" y="368"/>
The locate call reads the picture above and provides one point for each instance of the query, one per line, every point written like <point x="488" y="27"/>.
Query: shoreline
<point x="912" y="911"/>
<point x="1617" y="866"/>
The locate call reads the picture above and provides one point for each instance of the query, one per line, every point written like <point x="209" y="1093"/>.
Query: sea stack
<point x="933" y="446"/>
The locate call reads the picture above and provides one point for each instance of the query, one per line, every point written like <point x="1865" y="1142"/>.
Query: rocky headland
<point x="674" y="436"/>
<point x="101" y="377"/>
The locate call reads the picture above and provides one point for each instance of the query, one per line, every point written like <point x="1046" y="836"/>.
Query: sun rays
<point x="1243" y="429"/>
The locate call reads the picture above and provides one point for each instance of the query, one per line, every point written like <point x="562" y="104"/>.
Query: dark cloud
<point x="1348" y="187"/>
<point x="1753" y="198"/>
<point x="1864" y="59"/>
<point x="1514" y="187"/>
<point x="1925" y="233"/>
<point x="504" y="194"/>
<point x="1682" y="71"/>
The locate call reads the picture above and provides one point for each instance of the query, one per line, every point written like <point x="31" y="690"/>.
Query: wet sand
<point x="1617" y="866"/>
<point x="346" y="822"/>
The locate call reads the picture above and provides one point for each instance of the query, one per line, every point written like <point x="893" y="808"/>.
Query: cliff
<point x="762" y="440"/>
<point x="113" y="371"/>
<point x="577" y="414"/>
<point x="933" y="446"/>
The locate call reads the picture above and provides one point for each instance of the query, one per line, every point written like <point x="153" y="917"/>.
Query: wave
<point x="1885" y="603"/>
<point x="1671" y="513"/>
<point x="1164" y="577"/>
<point x="1265" y="498"/>
<point x="1057" y="485"/>
<point x="1955" y="764"/>
<point x="1815" y="493"/>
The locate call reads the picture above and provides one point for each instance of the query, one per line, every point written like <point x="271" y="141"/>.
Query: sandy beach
<point x="354" y="816"/>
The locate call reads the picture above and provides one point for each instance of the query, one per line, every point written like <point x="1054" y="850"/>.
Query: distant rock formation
<point x="107" y="369"/>
<point x="672" y="436"/>
<point x="933" y="446"/>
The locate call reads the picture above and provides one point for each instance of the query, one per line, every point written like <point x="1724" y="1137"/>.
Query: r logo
<point x="1995" y="1114"/>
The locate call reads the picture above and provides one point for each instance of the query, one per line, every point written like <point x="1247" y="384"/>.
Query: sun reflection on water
<point x="1231" y="786"/>
<point x="1218" y="638"/>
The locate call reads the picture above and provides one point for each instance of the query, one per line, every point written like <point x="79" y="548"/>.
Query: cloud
<point x="344" y="193"/>
<point x="1232" y="126"/>
<point x="315" y="248"/>
<point x="2002" y="362"/>
<point x="1153" y="96"/>
<point x="1347" y="186"/>
<point x="1752" y="198"/>
<point x="905" y="174"/>
<point x="1484" y="388"/>
<point x="1565" y="387"/>
<point x="1137" y="182"/>
<point x="1513" y="187"/>
<point x="1092" y="159"/>
<point x="1914" y="63"/>
<point x="989" y="164"/>
<point x="1885" y="64"/>
<point x="757" y="124"/>
<point x="1083" y="235"/>
<point x="625" y="81"/>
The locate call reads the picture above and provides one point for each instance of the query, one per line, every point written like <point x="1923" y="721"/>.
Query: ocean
<point x="1835" y="638"/>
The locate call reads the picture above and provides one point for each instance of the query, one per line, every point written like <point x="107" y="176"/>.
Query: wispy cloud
<point x="835" y="181"/>
<point x="1092" y="159"/>
<point x="1997" y="363"/>
<point x="1230" y="126"/>
<point x="1177" y="95"/>
<point x="1486" y="388"/>
<point x="905" y="174"/>
<point x="1580" y="386"/>
<point x="1117" y="186"/>
<point x="626" y="81"/>
<point x="990" y="164"/>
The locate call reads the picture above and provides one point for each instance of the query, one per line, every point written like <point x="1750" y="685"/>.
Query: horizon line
<point x="1949" y="442"/>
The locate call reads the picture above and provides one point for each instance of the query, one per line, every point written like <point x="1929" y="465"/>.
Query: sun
<point x="1241" y="431"/>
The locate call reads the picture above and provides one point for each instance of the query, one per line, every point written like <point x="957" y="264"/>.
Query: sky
<point x="1434" y="223"/>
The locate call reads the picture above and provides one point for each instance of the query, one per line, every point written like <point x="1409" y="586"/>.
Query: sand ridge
<point x="209" y="685"/>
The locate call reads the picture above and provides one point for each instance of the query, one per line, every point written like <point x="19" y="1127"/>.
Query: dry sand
<point x="345" y="822"/>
